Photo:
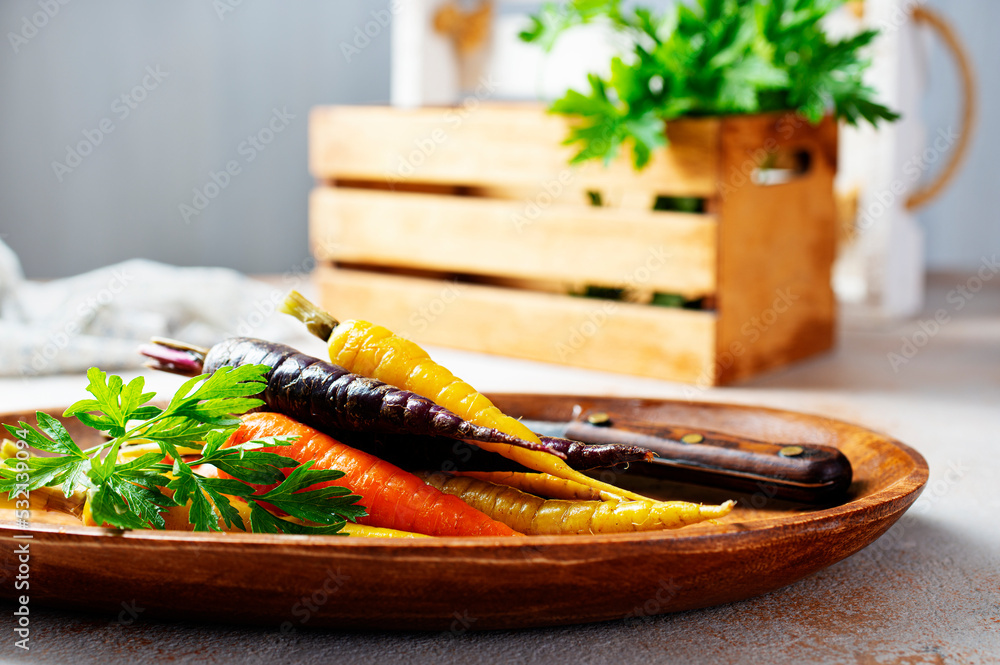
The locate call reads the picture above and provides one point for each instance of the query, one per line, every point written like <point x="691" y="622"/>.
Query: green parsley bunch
<point x="201" y="416"/>
<point x="709" y="57"/>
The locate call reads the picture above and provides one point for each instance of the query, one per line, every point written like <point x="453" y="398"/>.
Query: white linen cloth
<point x="100" y="317"/>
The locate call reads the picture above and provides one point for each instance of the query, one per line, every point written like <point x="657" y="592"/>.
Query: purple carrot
<point x="326" y="396"/>
<point x="331" y="399"/>
<point x="595" y="455"/>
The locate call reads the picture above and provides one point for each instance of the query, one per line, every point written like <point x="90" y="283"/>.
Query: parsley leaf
<point x="129" y="502"/>
<point x="324" y="505"/>
<point x="68" y="471"/>
<point x="261" y="521"/>
<point x="246" y="461"/>
<point x="116" y="402"/>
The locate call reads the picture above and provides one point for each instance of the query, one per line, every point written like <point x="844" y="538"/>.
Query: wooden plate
<point x="480" y="583"/>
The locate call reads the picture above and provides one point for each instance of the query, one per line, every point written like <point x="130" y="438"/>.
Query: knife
<point x="803" y="472"/>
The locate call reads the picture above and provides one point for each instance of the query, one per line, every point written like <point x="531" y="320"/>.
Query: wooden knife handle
<point x="799" y="472"/>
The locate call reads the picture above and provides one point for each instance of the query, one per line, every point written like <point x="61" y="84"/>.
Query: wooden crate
<point x="467" y="228"/>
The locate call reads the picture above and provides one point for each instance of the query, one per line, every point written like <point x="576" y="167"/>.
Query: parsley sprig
<point x="129" y="493"/>
<point x="708" y="57"/>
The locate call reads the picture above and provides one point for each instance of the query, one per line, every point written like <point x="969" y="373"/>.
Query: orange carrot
<point x="394" y="498"/>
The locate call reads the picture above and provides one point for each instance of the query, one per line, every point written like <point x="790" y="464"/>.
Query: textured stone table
<point x="926" y="592"/>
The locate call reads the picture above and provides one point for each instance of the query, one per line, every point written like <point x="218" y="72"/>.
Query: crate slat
<point x="495" y="145"/>
<point x="642" y="249"/>
<point x="620" y="337"/>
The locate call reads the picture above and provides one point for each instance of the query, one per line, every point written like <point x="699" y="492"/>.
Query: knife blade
<point x="802" y="472"/>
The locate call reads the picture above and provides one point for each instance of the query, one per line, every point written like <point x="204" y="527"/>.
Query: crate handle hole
<point x="781" y="167"/>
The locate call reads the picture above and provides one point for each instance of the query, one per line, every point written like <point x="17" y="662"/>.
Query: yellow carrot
<point x="373" y="351"/>
<point x="532" y="515"/>
<point x="365" y="531"/>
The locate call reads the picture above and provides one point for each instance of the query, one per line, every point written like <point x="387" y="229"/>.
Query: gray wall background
<point x="224" y="77"/>
<point x="963" y="224"/>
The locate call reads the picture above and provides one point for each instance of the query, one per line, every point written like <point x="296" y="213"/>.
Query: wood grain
<point x="615" y="336"/>
<point x="672" y="252"/>
<point x="514" y="145"/>
<point x="491" y="582"/>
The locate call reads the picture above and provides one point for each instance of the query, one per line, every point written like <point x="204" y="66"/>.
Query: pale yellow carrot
<point x="532" y="515"/>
